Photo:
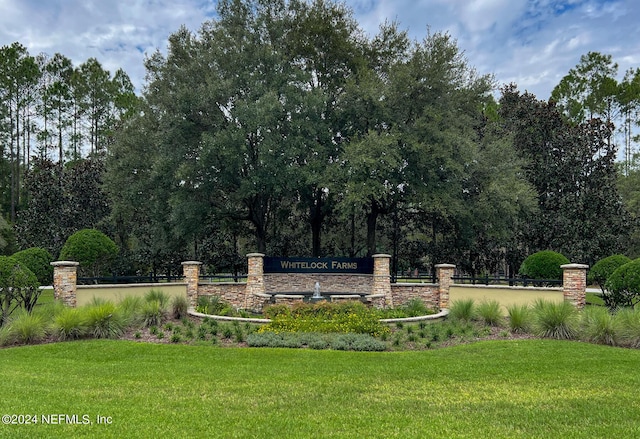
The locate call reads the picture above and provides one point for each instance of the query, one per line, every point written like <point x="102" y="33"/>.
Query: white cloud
<point x="531" y="42"/>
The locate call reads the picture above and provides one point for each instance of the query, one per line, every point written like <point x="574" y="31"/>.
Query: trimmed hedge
<point x="544" y="265"/>
<point x="39" y="261"/>
<point x="623" y="286"/>
<point x="94" y="250"/>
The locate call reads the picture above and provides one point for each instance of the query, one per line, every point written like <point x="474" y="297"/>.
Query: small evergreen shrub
<point x="38" y="260"/>
<point x="18" y="287"/>
<point x="94" y="250"/>
<point x="214" y="306"/>
<point x="623" y="285"/>
<point x="519" y="318"/>
<point x="463" y="310"/>
<point x="543" y="265"/>
<point x="555" y="320"/>
<point x="490" y="313"/>
<point x="600" y="273"/>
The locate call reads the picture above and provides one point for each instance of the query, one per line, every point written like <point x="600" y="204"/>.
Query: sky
<point x="532" y="43"/>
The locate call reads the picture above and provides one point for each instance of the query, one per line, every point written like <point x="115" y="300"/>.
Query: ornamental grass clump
<point x="131" y="309"/>
<point x="69" y="324"/>
<point x="519" y="318"/>
<point x="25" y="328"/>
<point x="629" y="327"/>
<point x="179" y="307"/>
<point x="557" y="320"/>
<point x="490" y="313"/>
<point x="462" y="310"/>
<point x="599" y="326"/>
<point x="104" y="320"/>
<point x="153" y="312"/>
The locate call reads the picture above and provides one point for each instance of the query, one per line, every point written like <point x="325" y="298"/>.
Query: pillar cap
<point x="381" y="255"/>
<point x="65" y="263"/>
<point x="255" y="255"/>
<point x="445" y="266"/>
<point x="192" y="263"/>
<point x="574" y="266"/>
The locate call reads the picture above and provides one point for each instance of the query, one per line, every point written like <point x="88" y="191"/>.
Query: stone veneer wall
<point x="404" y="292"/>
<point x="252" y="294"/>
<point x="233" y="292"/>
<point x="305" y="283"/>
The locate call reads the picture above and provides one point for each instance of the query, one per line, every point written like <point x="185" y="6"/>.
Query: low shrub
<point x="490" y="313"/>
<point x="69" y="324"/>
<point x="519" y="318"/>
<point x="351" y="342"/>
<point x="357" y="342"/>
<point x="463" y="310"/>
<point x="599" y="326"/>
<point x="557" y="320"/>
<point x="104" y="320"/>
<point x="328" y="317"/>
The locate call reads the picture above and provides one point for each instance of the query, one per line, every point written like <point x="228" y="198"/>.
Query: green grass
<point x="497" y="389"/>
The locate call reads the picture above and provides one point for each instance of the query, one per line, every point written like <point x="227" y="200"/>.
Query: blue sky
<point x="530" y="42"/>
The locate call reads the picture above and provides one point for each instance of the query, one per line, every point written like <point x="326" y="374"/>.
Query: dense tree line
<point x="281" y="127"/>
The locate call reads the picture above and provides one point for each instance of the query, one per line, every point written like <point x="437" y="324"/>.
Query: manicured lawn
<point x="497" y="389"/>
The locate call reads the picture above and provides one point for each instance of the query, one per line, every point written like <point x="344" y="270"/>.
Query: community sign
<point x="318" y="265"/>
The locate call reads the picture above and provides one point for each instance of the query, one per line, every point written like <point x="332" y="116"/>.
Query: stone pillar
<point x="255" y="279"/>
<point x="382" y="277"/>
<point x="574" y="284"/>
<point x="65" y="279"/>
<point x="191" y="272"/>
<point x="444" y="272"/>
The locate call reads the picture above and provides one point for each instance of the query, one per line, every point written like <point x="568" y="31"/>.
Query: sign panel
<point x="319" y="265"/>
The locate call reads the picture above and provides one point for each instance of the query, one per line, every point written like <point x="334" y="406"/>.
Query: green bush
<point x="557" y="320"/>
<point x="69" y="324"/>
<point x="490" y="313"/>
<point x="92" y="249"/>
<point x="462" y="310"/>
<point x="18" y="287"/>
<point x="623" y="286"/>
<point x="38" y="260"/>
<point x="104" y="320"/>
<point x="601" y="270"/>
<point x="543" y="265"/>
<point x="519" y="318"/>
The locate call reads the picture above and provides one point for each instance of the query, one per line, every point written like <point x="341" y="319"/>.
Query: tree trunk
<point x="372" y="218"/>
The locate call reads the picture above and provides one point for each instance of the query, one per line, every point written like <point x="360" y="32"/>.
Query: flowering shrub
<point x="327" y="317"/>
